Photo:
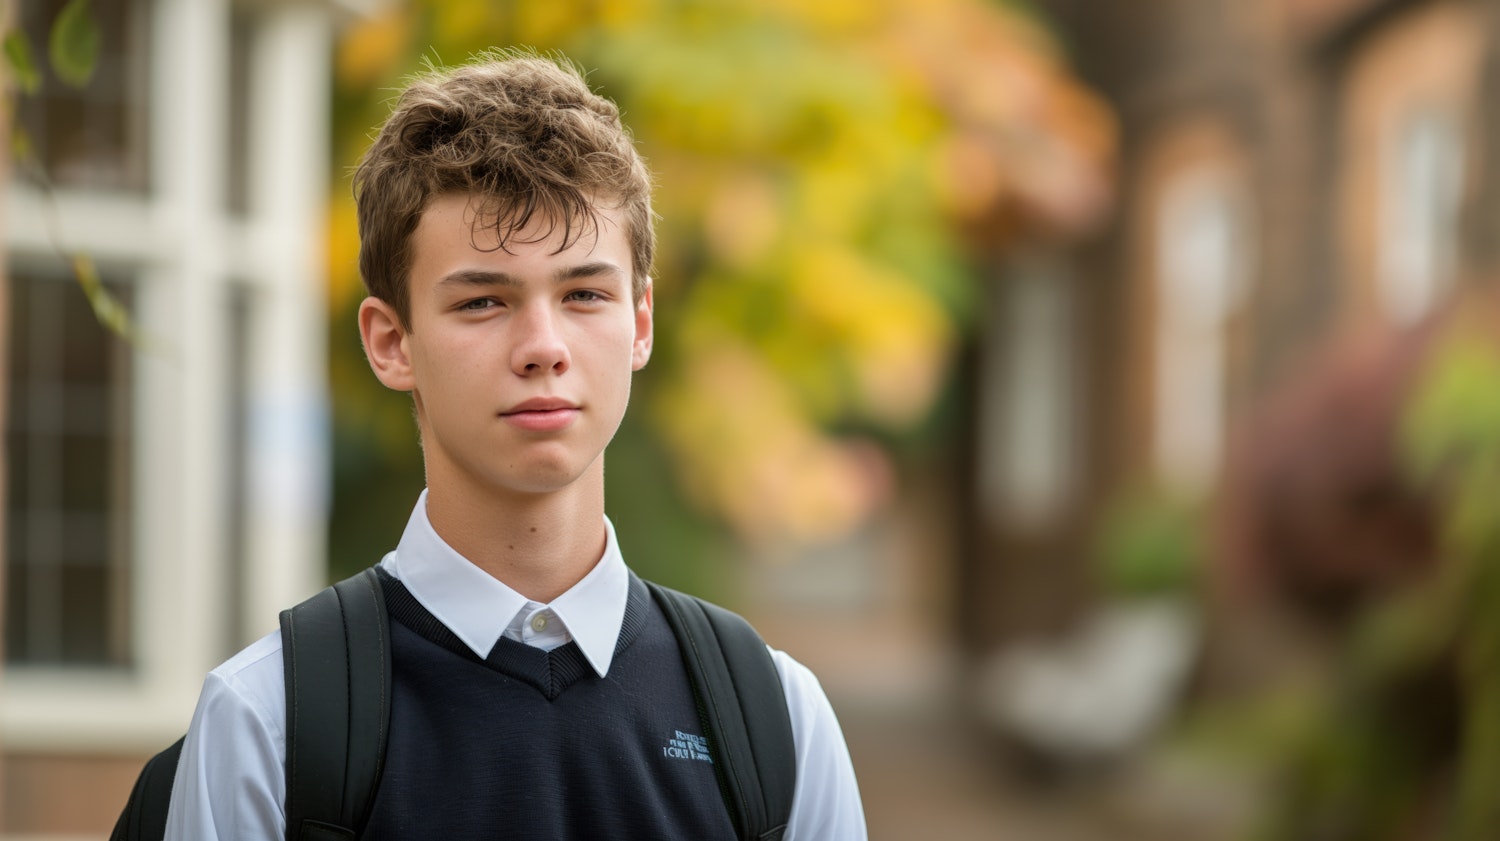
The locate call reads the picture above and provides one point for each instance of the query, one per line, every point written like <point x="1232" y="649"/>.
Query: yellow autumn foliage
<point x="896" y="340"/>
<point x="370" y="52"/>
<point x="806" y="487"/>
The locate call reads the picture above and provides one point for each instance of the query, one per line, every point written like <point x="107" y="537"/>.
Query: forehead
<point x="459" y="227"/>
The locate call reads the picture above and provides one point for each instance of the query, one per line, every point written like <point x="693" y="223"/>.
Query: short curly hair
<point x="522" y="133"/>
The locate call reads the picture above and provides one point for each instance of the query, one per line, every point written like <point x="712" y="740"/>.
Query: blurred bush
<point x="1150" y="543"/>
<point x="1400" y="740"/>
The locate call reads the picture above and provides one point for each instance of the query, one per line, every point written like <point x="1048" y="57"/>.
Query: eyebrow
<point x="481" y="277"/>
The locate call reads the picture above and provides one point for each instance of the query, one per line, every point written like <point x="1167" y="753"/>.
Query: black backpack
<point x="337" y="657"/>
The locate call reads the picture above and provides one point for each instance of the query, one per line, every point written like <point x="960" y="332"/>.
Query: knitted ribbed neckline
<point x="550" y="672"/>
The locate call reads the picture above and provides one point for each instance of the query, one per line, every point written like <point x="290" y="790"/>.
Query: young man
<point x="507" y="242"/>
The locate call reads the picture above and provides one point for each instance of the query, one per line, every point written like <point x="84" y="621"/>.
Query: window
<point x="237" y="172"/>
<point x="68" y="465"/>
<point x="93" y="136"/>
<point x="1421" y="188"/>
<point x="1028" y="409"/>
<point x="1202" y="250"/>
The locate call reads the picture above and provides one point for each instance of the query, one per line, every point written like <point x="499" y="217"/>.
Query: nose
<point x="539" y="345"/>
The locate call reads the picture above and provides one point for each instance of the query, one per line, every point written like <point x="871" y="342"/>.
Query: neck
<point x="539" y="545"/>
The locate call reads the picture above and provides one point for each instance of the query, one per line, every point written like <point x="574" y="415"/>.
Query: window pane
<point x="1421" y="196"/>
<point x="1028" y="411"/>
<point x="1203" y="259"/>
<point x="68" y="536"/>
<point x="85" y="631"/>
<point x="94" y="135"/>
<point x="86" y="355"/>
<point x="84" y="458"/>
<point x="237" y="188"/>
<point x="18" y="581"/>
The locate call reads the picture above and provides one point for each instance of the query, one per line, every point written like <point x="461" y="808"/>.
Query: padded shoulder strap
<point x="145" y="814"/>
<point x="743" y="707"/>
<point x="337" y="655"/>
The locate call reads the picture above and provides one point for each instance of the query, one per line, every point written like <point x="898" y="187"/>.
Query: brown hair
<point x="522" y="133"/>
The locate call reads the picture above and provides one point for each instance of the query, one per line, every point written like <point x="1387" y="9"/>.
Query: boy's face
<point x="519" y="359"/>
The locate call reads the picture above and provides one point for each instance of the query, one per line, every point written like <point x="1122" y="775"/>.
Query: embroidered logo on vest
<point x="686" y="746"/>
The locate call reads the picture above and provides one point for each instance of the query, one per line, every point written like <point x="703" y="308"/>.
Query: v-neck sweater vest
<point x="532" y="744"/>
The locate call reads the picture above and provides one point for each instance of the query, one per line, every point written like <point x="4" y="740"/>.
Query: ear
<point x="385" y="344"/>
<point x="640" y="349"/>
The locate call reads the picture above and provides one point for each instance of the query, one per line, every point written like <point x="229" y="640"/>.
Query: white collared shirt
<point x="478" y="608"/>
<point x="231" y="781"/>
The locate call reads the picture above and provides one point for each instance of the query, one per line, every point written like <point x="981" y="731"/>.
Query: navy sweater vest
<point x="527" y="744"/>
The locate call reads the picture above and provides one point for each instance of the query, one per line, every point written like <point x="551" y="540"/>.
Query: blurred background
<point x="1102" y="398"/>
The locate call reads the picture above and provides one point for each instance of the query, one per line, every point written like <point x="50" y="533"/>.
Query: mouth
<point x="541" y="414"/>
<point x="541" y="404"/>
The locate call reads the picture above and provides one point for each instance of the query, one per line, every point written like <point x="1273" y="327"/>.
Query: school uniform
<point x="510" y="719"/>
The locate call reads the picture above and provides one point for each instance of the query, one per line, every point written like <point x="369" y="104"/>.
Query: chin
<point x="540" y="485"/>
<point x="540" y="479"/>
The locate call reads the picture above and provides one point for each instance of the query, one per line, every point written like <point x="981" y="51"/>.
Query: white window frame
<point x="186" y="251"/>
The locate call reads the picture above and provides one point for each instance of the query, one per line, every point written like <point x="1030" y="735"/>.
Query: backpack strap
<point x="145" y="815"/>
<point x="743" y="707"/>
<point x="337" y="655"/>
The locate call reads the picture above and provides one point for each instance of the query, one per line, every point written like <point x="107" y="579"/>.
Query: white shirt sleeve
<point x="825" y="803"/>
<point x="230" y="785"/>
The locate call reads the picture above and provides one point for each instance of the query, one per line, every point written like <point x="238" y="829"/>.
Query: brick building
<point x="1292" y="174"/>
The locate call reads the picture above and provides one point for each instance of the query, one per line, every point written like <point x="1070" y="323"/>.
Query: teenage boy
<point x="506" y="243"/>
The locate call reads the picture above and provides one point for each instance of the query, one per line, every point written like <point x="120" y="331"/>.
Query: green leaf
<point x="74" y="44"/>
<point x="18" y="59"/>
<point x="107" y="308"/>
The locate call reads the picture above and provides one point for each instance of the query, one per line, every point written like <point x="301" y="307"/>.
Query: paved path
<point x="927" y="774"/>
<point x="924" y="779"/>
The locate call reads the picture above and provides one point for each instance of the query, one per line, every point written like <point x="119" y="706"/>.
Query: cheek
<point x="611" y="366"/>
<point x="440" y="374"/>
<point x="450" y="359"/>
<point x="603" y="348"/>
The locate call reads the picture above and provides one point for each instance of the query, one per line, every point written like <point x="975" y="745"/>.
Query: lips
<point x="541" y="404"/>
<point x="541" y="414"/>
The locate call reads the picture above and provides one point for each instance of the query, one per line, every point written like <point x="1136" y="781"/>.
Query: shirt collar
<point x="477" y="607"/>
